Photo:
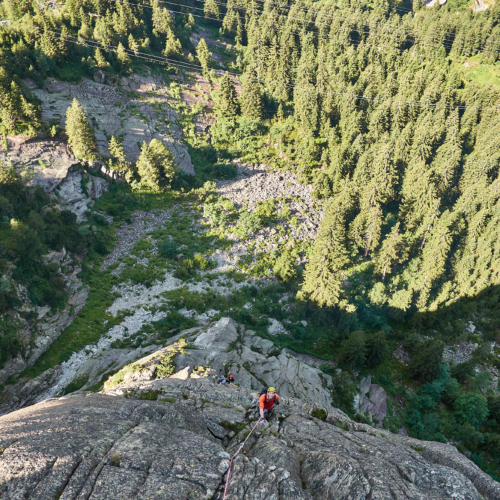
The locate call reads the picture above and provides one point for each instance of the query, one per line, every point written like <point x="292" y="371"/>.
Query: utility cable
<point x="323" y="16"/>
<point x="417" y="38"/>
<point x="312" y="88"/>
<point x="446" y="45"/>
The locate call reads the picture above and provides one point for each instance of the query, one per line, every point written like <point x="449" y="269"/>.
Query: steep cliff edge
<point x="160" y="436"/>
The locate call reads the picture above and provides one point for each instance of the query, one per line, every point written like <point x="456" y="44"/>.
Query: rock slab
<point x="103" y="446"/>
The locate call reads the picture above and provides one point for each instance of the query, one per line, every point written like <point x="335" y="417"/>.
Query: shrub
<point x="214" y="214"/>
<point x="185" y="269"/>
<point x="167" y="249"/>
<point x="352" y="350"/>
<point x="494" y="407"/>
<point x="471" y="408"/>
<point x="166" y="365"/>
<point x="228" y="205"/>
<point x="249" y="223"/>
<point x="267" y="209"/>
<point x="377" y="349"/>
<point x="202" y="263"/>
<point x="319" y="413"/>
<point x="221" y="171"/>
<point x="425" y="361"/>
<point x="463" y="371"/>
<point x="411" y="342"/>
<point x="174" y="320"/>
<point x="75" y="384"/>
<point x="10" y="344"/>
<point x="285" y="268"/>
<point x="451" y="391"/>
<point x="481" y="380"/>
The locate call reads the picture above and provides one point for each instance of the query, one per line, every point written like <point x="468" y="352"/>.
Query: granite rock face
<point x="70" y="195"/>
<point x="105" y="446"/>
<point x="39" y="161"/>
<point x="153" y="436"/>
<point x="119" y="110"/>
<point x="253" y="361"/>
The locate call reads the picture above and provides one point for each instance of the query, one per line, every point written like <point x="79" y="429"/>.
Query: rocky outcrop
<point x="227" y="347"/>
<point x="77" y="191"/>
<point x="371" y="400"/>
<point x="48" y="328"/>
<point x="177" y="446"/>
<point x="39" y="161"/>
<point x="113" y="111"/>
<point x="167" y="431"/>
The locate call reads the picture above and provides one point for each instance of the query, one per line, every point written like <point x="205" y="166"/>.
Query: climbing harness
<point x="234" y="456"/>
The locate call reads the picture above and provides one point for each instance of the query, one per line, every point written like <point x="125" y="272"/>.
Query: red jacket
<point x="267" y="400"/>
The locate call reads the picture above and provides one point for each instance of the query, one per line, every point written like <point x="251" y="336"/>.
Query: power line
<point x="306" y="10"/>
<point x="315" y="34"/>
<point x="447" y="45"/>
<point x="312" y="88"/>
<point x="416" y="39"/>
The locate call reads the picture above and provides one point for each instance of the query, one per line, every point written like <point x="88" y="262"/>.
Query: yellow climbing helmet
<point x="271" y="389"/>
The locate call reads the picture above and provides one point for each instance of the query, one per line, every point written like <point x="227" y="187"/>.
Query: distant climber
<point x="225" y="380"/>
<point x="268" y="397"/>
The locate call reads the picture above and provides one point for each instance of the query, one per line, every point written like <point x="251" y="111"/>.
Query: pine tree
<point x="49" y="46"/>
<point x="280" y="114"/>
<point x="173" y="47"/>
<point x="100" y="59"/>
<point x="227" y="97"/>
<point x="156" y="165"/>
<point x="122" y="56"/>
<point x="211" y="9"/>
<point x="162" y="20"/>
<point x="284" y="268"/>
<point x="353" y="350"/>
<point x="203" y="55"/>
<point x="251" y="98"/>
<point x="132" y="44"/>
<point x="116" y="150"/>
<point x="323" y="276"/>
<point x="81" y="137"/>
<point x="305" y="96"/>
<point x="377" y="349"/>
<point x="391" y="251"/>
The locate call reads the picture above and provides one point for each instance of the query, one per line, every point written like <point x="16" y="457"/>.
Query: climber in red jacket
<point x="267" y="399"/>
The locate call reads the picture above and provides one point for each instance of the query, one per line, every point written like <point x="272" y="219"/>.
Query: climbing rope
<point x="234" y="456"/>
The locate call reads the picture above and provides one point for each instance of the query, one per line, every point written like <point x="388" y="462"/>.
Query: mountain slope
<point x="171" y="438"/>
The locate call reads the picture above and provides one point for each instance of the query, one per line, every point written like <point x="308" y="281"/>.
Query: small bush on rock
<point x="224" y="171"/>
<point x="285" y="268"/>
<point x="214" y="214"/>
<point x="319" y="413"/>
<point x="202" y="263"/>
<point x="249" y="223"/>
<point x="167" y="249"/>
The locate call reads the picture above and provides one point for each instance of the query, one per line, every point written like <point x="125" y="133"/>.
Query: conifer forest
<point x="388" y="111"/>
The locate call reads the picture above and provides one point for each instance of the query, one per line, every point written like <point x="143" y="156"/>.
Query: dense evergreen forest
<point x="369" y="102"/>
<point x="365" y="102"/>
